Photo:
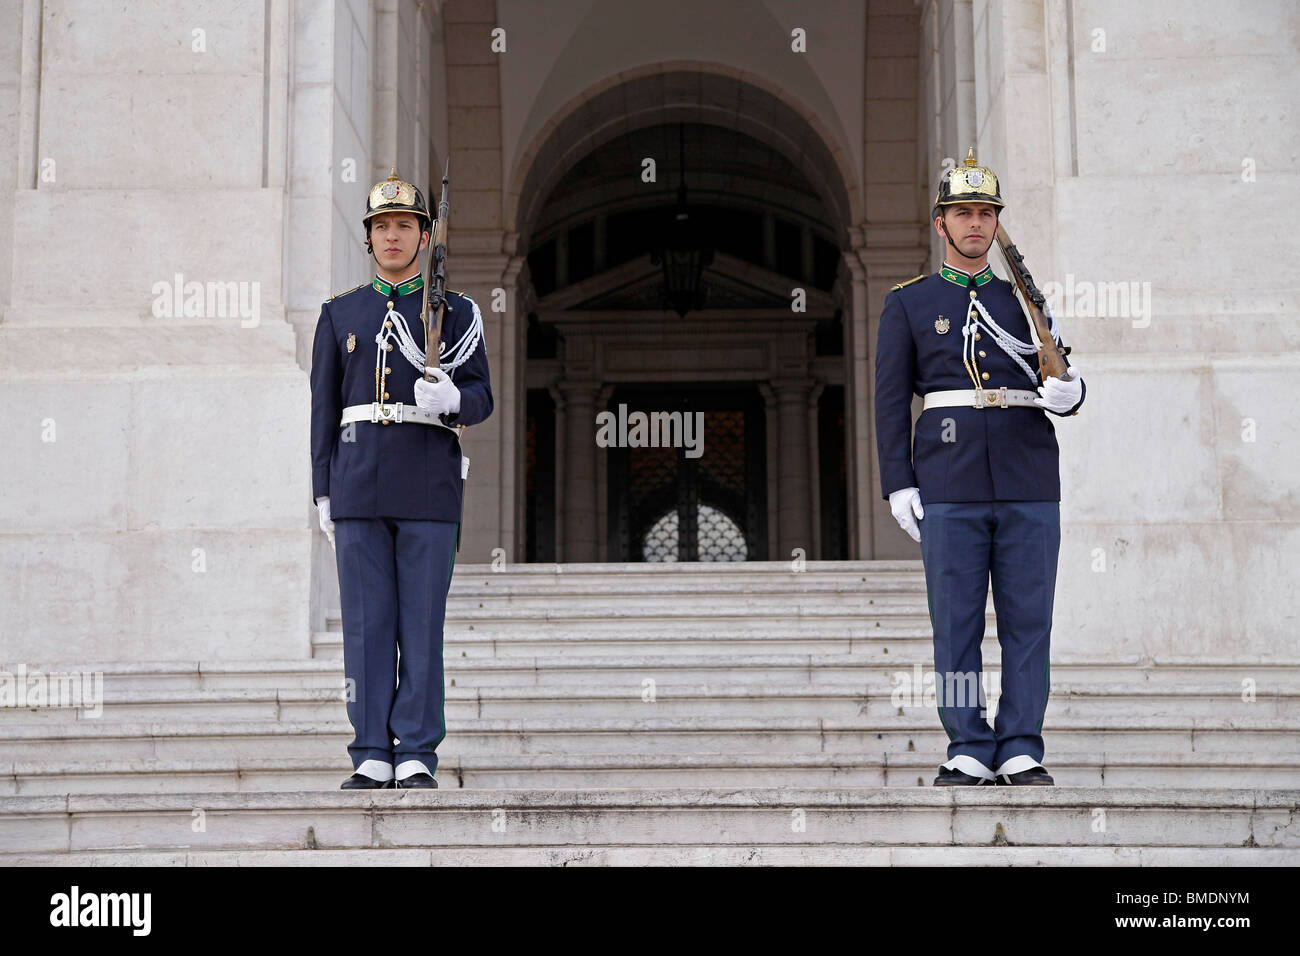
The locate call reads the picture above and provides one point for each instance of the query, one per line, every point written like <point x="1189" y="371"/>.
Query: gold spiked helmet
<point x="969" y="182"/>
<point x="396" y="195"/>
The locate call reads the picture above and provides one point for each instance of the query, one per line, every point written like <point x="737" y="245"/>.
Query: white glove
<point x="441" y="396"/>
<point x="323" y="512"/>
<point x="906" y="506"/>
<point x="1060" y="395"/>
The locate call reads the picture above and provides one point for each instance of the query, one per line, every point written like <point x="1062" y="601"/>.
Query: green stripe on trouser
<point x="452" y="567"/>
<point x="1047" y="685"/>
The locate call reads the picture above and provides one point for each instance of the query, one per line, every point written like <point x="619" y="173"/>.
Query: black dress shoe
<point x="418" y="781"/>
<point x="956" y="778"/>
<point x="359" y="781"/>
<point x="1033" y="777"/>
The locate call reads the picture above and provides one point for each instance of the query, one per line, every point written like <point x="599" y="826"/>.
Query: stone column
<point x="511" y="396"/>
<point x="814" y="469"/>
<point x="483" y="263"/>
<point x="880" y="269"/>
<point x="488" y="519"/>
<point x="156" y="500"/>
<point x="887" y="246"/>
<point x="561" y="473"/>
<point x="579" y="489"/>
<point x="600" y="471"/>
<point x="521" y="301"/>
<point x="772" y="431"/>
<point x="794" y="520"/>
<point x="858" y="429"/>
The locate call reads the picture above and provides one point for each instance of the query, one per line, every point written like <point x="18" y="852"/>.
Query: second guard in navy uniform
<point x="979" y="484"/>
<point x="388" y="479"/>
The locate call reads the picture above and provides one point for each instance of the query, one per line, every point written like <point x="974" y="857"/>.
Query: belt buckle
<point x="993" y="397"/>
<point x="386" y="414"/>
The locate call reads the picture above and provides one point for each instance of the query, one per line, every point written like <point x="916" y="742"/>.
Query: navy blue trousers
<point x="1017" y="543"/>
<point x="394" y="575"/>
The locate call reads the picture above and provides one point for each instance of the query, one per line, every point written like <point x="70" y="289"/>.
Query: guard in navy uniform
<point x="979" y="485"/>
<point x="388" y="479"/>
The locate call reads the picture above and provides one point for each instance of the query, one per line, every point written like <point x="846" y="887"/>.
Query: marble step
<point x="684" y="855"/>
<point x="89" y="740"/>
<point x="607" y="639"/>
<point x="816" y="596"/>
<point x="1231" y="770"/>
<point x="582" y="821"/>
<point x="709" y="612"/>
<point x="121" y="679"/>
<point x="665" y="698"/>
<point x="687" y="577"/>
<point x="695" y="624"/>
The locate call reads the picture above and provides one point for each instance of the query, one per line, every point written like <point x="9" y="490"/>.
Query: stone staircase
<point x="661" y="714"/>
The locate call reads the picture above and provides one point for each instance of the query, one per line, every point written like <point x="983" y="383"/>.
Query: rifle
<point x="435" y="283"/>
<point x="435" y="305"/>
<point x="1051" y="361"/>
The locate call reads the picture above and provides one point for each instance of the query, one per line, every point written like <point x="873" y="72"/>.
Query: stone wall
<point x="155" y="456"/>
<point x="1144" y="151"/>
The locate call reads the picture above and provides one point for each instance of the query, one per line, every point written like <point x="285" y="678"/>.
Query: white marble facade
<point x="155" y="470"/>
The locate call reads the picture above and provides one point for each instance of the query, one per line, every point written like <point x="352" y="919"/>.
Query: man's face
<point x="395" y="237"/>
<point x="972" y="226"/>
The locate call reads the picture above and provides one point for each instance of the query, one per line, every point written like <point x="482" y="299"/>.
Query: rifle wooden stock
<point x="1051" y="358"/>
<point x="435" y="283"/>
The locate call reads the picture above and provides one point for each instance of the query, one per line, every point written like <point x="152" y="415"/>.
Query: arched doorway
<point x="743" y="321"/>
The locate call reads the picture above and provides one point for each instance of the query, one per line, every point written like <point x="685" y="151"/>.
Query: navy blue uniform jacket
<point x="995" y="454"/>
<point x="409" y="470"/>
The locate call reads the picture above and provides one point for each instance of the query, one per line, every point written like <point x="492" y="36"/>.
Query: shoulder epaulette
<point x="463" y="295"/>
<point x="908" y="282"/>
<point x="345" y="292"/>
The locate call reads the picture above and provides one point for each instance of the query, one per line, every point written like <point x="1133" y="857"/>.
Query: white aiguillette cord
<point x="1006" y="341"/>
<point x="456" y="356"/>
<point x="1024" y="308"/>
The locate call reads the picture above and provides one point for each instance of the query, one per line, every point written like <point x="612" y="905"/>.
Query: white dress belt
<point x="980" y="398"/>
<point x="399" y="413"/>
<point x="394" y="414"/>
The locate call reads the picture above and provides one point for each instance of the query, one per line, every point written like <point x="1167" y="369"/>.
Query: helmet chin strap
<point x="949" y="238"/>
